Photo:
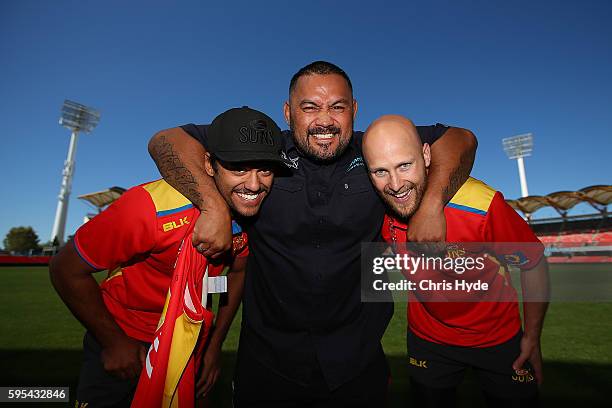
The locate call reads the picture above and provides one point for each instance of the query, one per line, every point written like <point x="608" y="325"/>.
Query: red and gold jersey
<point x="137" y="240"/>
<point x="476" y="213"/>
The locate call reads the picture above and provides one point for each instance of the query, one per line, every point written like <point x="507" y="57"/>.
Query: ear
<point x="208" y="165"/>
<point x="287" y="113"/>
<point x="354" y="108"/>
<point x="426" y="154"/>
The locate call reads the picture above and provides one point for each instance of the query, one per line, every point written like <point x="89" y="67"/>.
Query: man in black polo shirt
<point x="306" y="339"/>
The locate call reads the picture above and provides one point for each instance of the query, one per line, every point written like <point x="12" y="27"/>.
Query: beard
<point x="405" y="211"/>
<point x="321" y="155"/>
<point x="242" y="211"/>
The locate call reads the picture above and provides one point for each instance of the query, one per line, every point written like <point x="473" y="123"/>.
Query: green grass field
<point x="40" y="345"/>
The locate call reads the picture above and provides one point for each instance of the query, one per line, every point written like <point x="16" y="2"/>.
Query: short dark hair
<point x="319" y="68"/>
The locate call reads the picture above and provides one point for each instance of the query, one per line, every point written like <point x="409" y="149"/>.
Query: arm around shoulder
<point x="452" y="158"/>
<point x="180" y="160"/>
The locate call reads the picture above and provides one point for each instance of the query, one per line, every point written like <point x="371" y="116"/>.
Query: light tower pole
<point x="519" y="147"/>
<point x="77" y="118"/>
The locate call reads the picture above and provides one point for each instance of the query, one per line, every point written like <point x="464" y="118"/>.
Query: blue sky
<point x="498" y="68"/>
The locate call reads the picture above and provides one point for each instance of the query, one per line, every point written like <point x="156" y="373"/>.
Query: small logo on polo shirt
<point x="256" y="132"/>
<point x="290" y="162"/>
<point x="169" y="226"/>
<point x="357" y="162"/>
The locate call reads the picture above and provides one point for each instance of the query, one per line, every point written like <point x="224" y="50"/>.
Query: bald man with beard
<point x="394" y="144"/>
<point x="445" y="338"/>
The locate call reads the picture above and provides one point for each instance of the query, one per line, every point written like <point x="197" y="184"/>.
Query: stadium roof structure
<point x="599" y="197"/>
<point x="101" y="199"/>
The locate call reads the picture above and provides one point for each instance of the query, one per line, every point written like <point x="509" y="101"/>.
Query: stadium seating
<point x="577" y="238"/>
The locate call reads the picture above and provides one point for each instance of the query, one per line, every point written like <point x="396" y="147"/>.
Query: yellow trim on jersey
<point x="114" y="273"/>
<point x="165" y="198"/>
<point x="474" y="196"/>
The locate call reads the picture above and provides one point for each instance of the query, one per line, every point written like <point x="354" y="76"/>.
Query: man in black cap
<point x="306" y="339"/>
<point x="137" y="240"/>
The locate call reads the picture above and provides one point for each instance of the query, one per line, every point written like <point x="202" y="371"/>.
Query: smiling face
<point x="397" y="163"/>
<point x="243" y="186"/>
<point x="320" y="113"/>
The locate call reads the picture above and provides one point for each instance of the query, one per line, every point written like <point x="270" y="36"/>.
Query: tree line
<point x="24" y="239"/>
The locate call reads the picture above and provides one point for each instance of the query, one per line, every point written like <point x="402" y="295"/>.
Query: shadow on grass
<point x="566" y="383"/>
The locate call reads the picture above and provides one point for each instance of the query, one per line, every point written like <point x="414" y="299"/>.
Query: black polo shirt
<point x="302" y="298"/>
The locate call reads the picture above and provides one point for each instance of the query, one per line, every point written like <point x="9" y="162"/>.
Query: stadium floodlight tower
<point x="518" y="147"/>
<point x="77" y="118"/>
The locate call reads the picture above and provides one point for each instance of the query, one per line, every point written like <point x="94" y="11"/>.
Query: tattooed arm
<point x="452" y="157"/>
<point x="180" y="160"/>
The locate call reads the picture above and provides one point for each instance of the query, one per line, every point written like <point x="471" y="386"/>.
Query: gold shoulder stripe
<point x="166" y="199"/>
<point x="473" y="196"/>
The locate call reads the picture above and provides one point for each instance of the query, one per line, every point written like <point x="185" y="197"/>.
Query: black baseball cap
<point x="244" y="134"/>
